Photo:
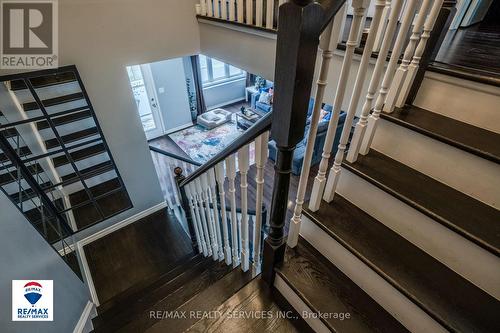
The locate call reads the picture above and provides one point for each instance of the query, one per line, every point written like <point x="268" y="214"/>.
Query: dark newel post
<point x="179" y="177"/>
<point x="438" y="33"/>
<point x="296" y="48"/>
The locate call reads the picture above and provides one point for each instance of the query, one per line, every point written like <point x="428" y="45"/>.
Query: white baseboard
<point x="212" y="107"/>
<point x="84" y="324"/>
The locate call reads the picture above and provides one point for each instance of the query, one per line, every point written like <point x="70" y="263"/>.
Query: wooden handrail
<point x="262" y="125"/>
<point x="175" y="156"/>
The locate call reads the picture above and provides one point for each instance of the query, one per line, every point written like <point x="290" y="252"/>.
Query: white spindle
<point x="259" y="10"/>
<point x="189" y="195"/>
<point x="269" y="14"/>
<point x="216" y="9"/>
<point x="327" y="53"/>
<point x="213" y="199"/>
<point x="360" y="129"/>
<point x="201" y="214"/>
<point x="382" y="27"/>
<point x="335" y="171"/>
<point x="240" y="10"/>
<point x="223" y="9"/>
<point x="249" y="16"/>
<point x="243" y="165"/>
<point x="219" y="175"/>
<point x="389" y="74"/>
<point x="359" y="7"/>
<point x="413" y="67"/>
<point x="210" y="8"/>
<point x="231" y="176"/>
<point x="401" y="72"/>
<point x="203" y="4"/>
<point x="261" y="153"/>
<point x="339" y="24"/>
<point x="232" y="10"/>
<point x="210" y="218"/>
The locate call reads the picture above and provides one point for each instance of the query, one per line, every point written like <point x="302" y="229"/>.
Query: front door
<point x="141" y="81"/>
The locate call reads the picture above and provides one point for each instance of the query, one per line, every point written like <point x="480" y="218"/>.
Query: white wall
<point x="24" y="255"/>
<point x="102" y="37"/>
<point x="170" y="84"/>
<point x="225" y="93"/>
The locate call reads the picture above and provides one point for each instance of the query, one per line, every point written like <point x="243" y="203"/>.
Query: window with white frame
<point x="214" y="71"/>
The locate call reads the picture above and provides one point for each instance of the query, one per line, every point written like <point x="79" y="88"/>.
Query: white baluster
<point x="360" y="129"/>
<point x="339" y="25"/>
<point x="335" y="171"/>
<point x="400" y="75"/>
<point x="220" y="177"/>
<point x="208" y="214"/>
<point x="201" y="212"/>
<point x="261" y="153"/>
<point x="232" y="10"/>
<point x="413" y="67"/>
<point x="239" y="8"/>
<point x="327" y="53"/>
<point x="231" y="176"/>
<point x="213" y="199"/>
<point x="382" y="27"/>
<point x="199" y="241"/>
<point x="259" y="10"/>
<point x="210" y="8"/>
<point x="389" y="75"/>
<point x="223" y="9"/>
<point x="269" y="14"/>
<point x="249" y="17"/>
<point x="359" y="7"/>
<point x="243" y="165"/>
<point x="203" y="4"/>
<point x="216" y="9"/>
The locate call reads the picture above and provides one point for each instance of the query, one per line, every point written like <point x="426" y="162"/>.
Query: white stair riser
<point x="58" y="90"/>
<point x="468" y="173"/>
<point x="461" y="255"/>
<point x="470" y="102"/>
<point x="298" y="304"/>
<point x="393" y="301"/>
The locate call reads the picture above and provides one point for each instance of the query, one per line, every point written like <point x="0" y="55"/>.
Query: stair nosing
<point x="424" y="210"/>
<point x="442" y="138"/>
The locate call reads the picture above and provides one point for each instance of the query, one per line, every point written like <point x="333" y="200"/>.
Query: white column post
<point x="231" y="176"/>
<point x="259" y="10"/>
<point x="243" y="165"/>
<point x="389" y="74"/>
<point x="261" y="153"/>
<point x="232" y="10"/>
<point x="223" y="8"/>
<point x="382" y="27"/>
<point x="400" y="76"/>
<point x="249" y="16"/>
<point x="326" y="52"/>
<point x="201" y="212"/>
<point x="219" y="175"/>
<point x="210" y="8"/>
<point x="193" y="216"/>
<point x="269" y="14"/>
<point x="335" y="171"/>
<point x="240" y="11"/>
<point x="360" y="129"/>
<point x="213" y="198"/>
<point x="359" y="7"/>
<point x="413" y="67"/>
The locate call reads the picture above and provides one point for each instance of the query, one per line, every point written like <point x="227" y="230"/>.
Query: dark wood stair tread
<point x="467" y="216"/>
<point x="470" y="138"/>
<point x="325" y="289"/>
<point x="44" y="81"/>
<point x="72" y="137"/>
<point x="66" y="119"/>
<point x="30" y="106"/>
<point x="28" y="193"/>
<point x="7" y="177"/>
<point x="80" y="154"/>
<point x="450" y="299"/>
<point x="91" y="171"/>
<point x="23" y="151"/>
<point x="466" y="73"/>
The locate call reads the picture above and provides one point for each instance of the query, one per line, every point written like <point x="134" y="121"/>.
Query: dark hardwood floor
<point x="145" y="249"/>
